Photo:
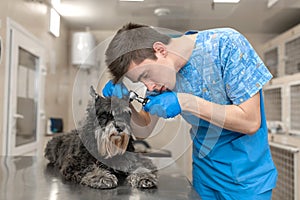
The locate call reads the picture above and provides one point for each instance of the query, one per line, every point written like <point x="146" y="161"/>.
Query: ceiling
<point x="248" y="16"/>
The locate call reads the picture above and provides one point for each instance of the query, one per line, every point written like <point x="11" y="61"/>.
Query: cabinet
<point x="282" y="94"/>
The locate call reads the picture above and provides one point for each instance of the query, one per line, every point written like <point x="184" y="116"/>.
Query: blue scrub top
<point x="225" y="69"/>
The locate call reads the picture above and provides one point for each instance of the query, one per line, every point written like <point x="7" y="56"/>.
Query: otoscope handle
<point x="145" y="101"/>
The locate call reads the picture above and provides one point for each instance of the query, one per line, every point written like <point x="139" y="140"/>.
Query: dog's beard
<point x="110" y="142"/>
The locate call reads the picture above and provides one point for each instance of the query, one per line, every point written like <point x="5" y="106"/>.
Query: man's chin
<point x="163" y="89"/>
<point x="171" y="88"/>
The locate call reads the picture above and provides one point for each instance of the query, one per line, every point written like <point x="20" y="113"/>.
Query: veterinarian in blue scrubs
<point x="214" y="79"/>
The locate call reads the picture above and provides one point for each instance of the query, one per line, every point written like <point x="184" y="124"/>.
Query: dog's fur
<point x="100" y="154"/>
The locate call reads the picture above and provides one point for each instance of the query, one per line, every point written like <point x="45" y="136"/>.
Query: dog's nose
<point x="120" y="127"/>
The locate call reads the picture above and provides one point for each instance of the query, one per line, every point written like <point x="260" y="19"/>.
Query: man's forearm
<point x="244" y="118"/>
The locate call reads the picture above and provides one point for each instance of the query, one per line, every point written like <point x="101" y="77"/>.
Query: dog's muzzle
<point x="113" y="139"/>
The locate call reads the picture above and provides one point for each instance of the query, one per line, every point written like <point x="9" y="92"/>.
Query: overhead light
<point x="55" y="3"/>
<point x="131" y="0"/>
<point x="54" y="23"/>
<point x="226" y="1"/>
<point x="71" y="10"/>
<point x="162" y="11"/>
<point x="271" y="3"/>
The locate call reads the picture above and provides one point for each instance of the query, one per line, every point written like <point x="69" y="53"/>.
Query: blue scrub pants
<point x="207" y="193"/>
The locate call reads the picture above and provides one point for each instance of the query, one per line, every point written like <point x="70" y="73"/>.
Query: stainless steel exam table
<point x="29" y="178"/>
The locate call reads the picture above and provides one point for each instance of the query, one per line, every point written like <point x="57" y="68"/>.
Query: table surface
<point x="29" y="178"/>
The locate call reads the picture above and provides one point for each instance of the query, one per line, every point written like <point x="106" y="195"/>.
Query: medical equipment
<point x="134" y="96"/>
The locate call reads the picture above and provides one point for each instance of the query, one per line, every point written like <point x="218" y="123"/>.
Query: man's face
<point x="157" y="75"/>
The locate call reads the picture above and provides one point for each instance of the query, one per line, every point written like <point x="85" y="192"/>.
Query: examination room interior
<point x="45" y="75"/>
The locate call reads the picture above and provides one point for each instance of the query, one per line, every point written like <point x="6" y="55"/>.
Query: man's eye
<point x="145" y="76"/>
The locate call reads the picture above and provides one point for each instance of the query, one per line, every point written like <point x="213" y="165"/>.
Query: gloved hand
<point x="164" y="105"/>
<point x="119" y="90"/>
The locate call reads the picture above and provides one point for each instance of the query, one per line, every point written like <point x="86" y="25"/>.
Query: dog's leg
<point x="100" y="178"/>
<point x="72" y="169"/>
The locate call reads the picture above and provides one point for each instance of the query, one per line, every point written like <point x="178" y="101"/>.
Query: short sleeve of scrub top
<point x="244" y="72"/>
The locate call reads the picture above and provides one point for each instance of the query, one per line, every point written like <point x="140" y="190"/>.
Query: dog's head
<point x="111" y="121"/>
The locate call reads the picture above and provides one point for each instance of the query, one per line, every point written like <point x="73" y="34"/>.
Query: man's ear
<point x="160" y="49"/>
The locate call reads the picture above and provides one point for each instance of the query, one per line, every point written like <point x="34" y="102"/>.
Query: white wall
<point x="34" y="18"/>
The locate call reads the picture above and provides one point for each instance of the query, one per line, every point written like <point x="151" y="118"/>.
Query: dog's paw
<point x="104" y="180"/>
<point x="147" y="183"/>
<point x="143" y="180"/>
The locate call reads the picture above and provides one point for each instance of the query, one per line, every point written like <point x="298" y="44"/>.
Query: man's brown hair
<point x="132" y="43"/>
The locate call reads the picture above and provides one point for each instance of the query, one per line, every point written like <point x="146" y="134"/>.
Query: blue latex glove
<point x="119" y="90"/>
<point x="164" y="105"/>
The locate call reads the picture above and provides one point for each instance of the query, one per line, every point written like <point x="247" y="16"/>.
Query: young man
<point x="214" y="79"/>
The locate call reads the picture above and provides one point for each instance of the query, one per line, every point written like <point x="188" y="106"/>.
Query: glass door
<point x="26" y="122"/>
<point x="26" y="115"/>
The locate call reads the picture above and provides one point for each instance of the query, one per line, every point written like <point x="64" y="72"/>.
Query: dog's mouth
<point x="119" y="140"/>
<point x="113" y="143"/>
<point x="116" y="144"/>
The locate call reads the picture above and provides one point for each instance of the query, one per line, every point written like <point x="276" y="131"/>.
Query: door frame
<point x="7" y="143"/>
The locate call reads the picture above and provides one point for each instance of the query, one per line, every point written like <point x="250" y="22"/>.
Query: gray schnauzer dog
<point x="100" y="154"/>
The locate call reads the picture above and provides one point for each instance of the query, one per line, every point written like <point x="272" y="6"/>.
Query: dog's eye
<point x="105" y="117"/>
<point x="124" y="116"/>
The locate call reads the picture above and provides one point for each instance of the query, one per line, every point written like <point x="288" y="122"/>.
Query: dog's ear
<point x="98" y="101"/>
<point x="93" y="93"/>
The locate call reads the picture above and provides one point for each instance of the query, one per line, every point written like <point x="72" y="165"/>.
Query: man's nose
<point x="150" y="86"/>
